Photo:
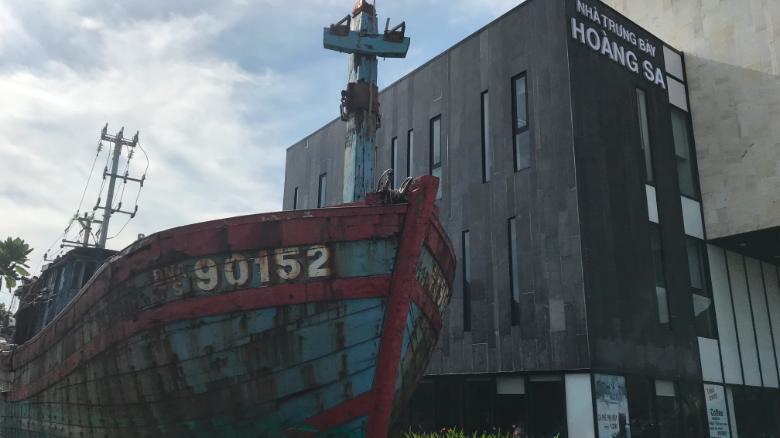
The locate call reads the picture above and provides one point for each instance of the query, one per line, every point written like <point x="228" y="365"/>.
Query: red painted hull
<point x="255" y="311"/>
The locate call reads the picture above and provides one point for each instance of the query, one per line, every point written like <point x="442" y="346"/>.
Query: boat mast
<point x="88" y="220"/>
<point x="357" y="35"/>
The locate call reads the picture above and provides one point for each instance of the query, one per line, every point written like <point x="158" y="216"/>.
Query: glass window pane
<point x="521" y="107"/>
<point x="449" y="401"/>
<point x="437" y="173"/>
<point x="394" y="159"/>
<point x="466" y="263"/>
<point x="514" y="272"/>
<point x="295" y="199"/>
<point x="658" y="257"/>
<point x="693" y="413"/>
<point x="695" y="263"/>
<point x="422" y="408"/>
<point x="511" y="413"/>
<point x="640" y="407"/>
<point x="682" y="149"/>
<point x="322" y="192"/>
<point x="668" y="416"/>
<point x="88" y="272"/>
<point x="523" y="150"/>
<point x="660" y="275"/>
<point x="478" y="405"/>
<point x="662" y="301"/>
<point x="409" y="153"/>
<point x="486" y="147"/>
<point x="435" y="142"/>
<point x="644" y="134"/>
<point x="704" y="315"/>
<point x="75" y="275"/>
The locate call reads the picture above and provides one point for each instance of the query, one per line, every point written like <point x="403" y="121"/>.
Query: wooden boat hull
<point x="294" y="324"/>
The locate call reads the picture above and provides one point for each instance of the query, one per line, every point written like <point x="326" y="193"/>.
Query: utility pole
<point x="108" y="209"/>
<point x="356" y="34"/>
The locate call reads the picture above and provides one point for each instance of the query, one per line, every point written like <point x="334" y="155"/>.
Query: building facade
<point x="589" y="299"/>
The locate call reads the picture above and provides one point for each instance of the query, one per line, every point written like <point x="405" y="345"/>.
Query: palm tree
<point x="13" y="261"/>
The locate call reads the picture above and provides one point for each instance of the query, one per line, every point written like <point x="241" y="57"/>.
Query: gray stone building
<point x="591" y="298"/>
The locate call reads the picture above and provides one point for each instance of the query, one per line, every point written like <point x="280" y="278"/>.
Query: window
<point x="486" y="147"/>
<point x="89" y="270"/>
<point x="520" y="126"/>
<point x="478" y="410"/>
<point x="703" y="307"/>
<point x="295" y="199"/>
<point x="683" y="150"/>
<point x="466" y="263"/>
<point x="514" y="272"/>
<point x="409" y="153"/>
<point x="322" y="190"/>
<point x="394" y="159"/>
<point x="641" y="401"/>
<point x="660" y="275"/>
<point x="644" y="134"/>
<point x="75" y="275"/>
<point x="668" y="407"/>
<point x="435" y="158"/>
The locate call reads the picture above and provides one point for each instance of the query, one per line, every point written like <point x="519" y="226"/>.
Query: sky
<point x="217" y="89"/>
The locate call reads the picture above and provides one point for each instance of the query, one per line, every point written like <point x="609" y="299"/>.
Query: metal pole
<point x="362" y="124"/>
<point x="110" y="195"/>
<point x="87" y="227"/>
<point x="357" y="35"/>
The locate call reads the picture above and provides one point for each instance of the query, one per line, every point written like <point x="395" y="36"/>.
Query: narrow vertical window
<point x="662" y="300"/>
<point x="644" y="134"/>
<point x="409" y="153"/>
<point x="703" y="306"/>
<point x="514" y="272"/>
<point x="466" y="263"/>
<point x="394" y="160"/>
<point x="322" y="191"/>
<point x="295" y="199"/>
<point x="520" y="126"/>
<point x="683" y="150"/>
<point x="435" y="153"/>
<point x="486" y="147"/>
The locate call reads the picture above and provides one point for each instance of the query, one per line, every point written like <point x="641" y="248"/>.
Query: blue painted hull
<point x="215" y="331"/>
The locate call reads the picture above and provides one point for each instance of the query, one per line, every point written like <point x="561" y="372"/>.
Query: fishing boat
<point x="302" y="323"/>
<point x="309" y="323"/>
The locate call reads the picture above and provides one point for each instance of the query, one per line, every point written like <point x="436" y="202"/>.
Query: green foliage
<point x="456" y="433"/>
<point x="13" y="261"/>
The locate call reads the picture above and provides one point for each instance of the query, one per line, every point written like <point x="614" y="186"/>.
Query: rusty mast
<point x="356" y="34"/>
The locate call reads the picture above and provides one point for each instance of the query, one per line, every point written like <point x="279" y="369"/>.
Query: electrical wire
<point x="64" y="234"/>
<point x="89" y="178"/>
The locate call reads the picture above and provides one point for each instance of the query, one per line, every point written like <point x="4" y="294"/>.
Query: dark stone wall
<point x="586" y="273"/>
<point x="623" y="326"/>
<point x="543" y="198"/>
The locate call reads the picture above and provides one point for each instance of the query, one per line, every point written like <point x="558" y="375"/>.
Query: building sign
<point x="611" y="406"/>
<point x="717" y="417"/>
<point x="614" y="41"/>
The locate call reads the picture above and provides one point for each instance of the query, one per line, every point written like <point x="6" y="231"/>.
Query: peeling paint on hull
<point x="295" y="324"/>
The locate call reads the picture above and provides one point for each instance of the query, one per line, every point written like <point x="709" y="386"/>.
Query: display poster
<point x="611" y="406"/>
<point x="717" y="415"/>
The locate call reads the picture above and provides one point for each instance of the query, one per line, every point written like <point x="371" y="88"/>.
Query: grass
<point x="456" y="433"/>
